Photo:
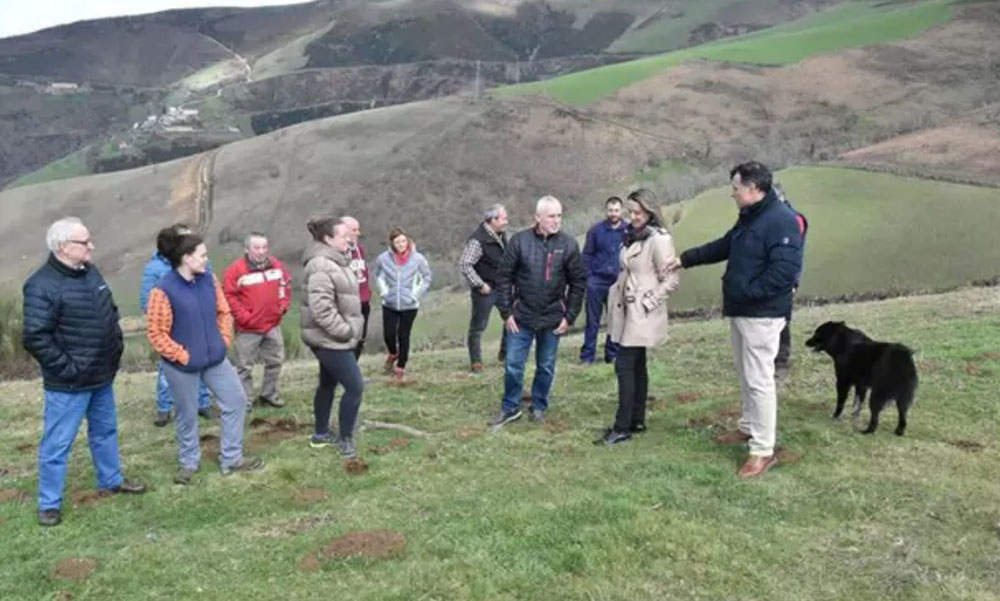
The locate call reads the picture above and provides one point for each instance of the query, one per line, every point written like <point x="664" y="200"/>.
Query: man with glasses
<point x="71" y="329"/>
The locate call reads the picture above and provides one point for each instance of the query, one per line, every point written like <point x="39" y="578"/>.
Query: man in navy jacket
<point x="600" y="257"/>
<point x="71" y="329"/>
<point x="763" y="254"/>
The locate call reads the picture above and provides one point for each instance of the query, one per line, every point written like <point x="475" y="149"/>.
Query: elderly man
<point x="763" y="254"/>
<point x="259" y="291"/>
<point x="478" y="265"/>
<point x="359" y="266"/>
<point x="71" y="329"/>
<point x="540" y="286"/>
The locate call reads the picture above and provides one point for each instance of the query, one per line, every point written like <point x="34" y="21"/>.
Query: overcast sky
<point x="24" y="16"/>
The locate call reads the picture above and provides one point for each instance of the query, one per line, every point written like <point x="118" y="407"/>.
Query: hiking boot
<point x="390" y="363"/>
<point x="320" y="441"/>
<point x="162" y="419"/>
<point x="536" y="415"/>
<point x="183" y="476"/>
<point x="347" y="447"/>
<point x="247" y="464"/>
<point x="757" y="465"/>
<point x="275" y="402"/>
<point x="505" y="418"/>
<point x="476" y="367"/>
<point x="49" y="517"/>
<point x="128" y="487"/>
<point x="205" y="412"/>
<point x="612" y="436"/>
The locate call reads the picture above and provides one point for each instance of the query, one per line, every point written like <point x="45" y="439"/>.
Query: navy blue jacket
<point x="600" y="252"/>
<point x="194" y="325"/>
<point x="763" y="254"/>
<point x="71" y="327"/>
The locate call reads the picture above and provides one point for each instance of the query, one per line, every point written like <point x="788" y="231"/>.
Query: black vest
<point x="489" y="262"/>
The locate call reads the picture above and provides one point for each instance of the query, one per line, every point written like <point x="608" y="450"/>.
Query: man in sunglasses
<point x="71" y="329"/>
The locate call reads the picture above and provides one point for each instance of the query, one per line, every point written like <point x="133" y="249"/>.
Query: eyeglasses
<point x="81" y="242"/>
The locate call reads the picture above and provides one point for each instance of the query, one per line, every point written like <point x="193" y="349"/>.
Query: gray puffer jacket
<point x="402" y="287"/>
<point x="331" y="304"/>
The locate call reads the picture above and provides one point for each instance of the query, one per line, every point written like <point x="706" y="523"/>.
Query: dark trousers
<point x="482" y="307"/>
<point x="633" y="386"/>
<point x="396" y="326"/>
<point x="337" y="367"/>
<point x="366" y="310"/>
<point x="597" y="299"/>
<point x="785" y="345"/>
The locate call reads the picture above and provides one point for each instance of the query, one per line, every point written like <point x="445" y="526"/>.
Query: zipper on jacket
<point x="548" y="267"/>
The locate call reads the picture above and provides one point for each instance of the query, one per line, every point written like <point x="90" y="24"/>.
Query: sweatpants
<point x="337" y="367"/>
<point x="396" y="326"/>
<point x="222" y="380"/>
<point x="755" y="344"/>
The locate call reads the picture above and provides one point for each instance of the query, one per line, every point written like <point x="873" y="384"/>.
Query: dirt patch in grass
<point x="309" y="563"/>
<point x="928" y="367"/>
<point x="75" y="569"/>
<point x="13" y="495"/>
<point x="25" y="447"/>
<point x="969" y="446"/>
<point x="308" y="496"/>
<point x="973" y="369"/>
<point x="355" y="467"/>
<point x="270" y="430"/>
<point x="991" y="355"/>
<point x="694" y="423"/>
<point x="787" y="456"/>
<point x="555" y="426"/>
<point x="468" y="433"/>
<point x="683" y="398"/>
<point x="210" y="446"/>
<point x="376" y="544"/>
<point x="89" y="498"/>
<point x="399" y="443"/>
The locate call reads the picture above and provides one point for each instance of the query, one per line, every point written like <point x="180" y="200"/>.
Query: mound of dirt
<point x="376" y="544"/>
<point x="355" y="467"/>
<point x="75" y="569"/>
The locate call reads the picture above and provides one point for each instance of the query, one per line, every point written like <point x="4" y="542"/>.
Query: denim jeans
<point x="518" y="347"/>
<point x="64" y="411"/>
<point x="597" y="299"/>
<point x="165" y="400"/>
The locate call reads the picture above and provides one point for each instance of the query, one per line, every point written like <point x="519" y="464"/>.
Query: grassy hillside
<point x="847" y="25"/>
<point x="540" y="513"/>
<point x="869" y="232"/>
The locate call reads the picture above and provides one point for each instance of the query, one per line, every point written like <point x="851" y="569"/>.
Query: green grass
<point x="848" y="25"/>
<point x="540" y="513"/>
<point x="869" y="233"/>
<point x="71" y="165"/>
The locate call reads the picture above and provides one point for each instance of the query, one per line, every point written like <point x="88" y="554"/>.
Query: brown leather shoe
<point x="732" y="437"/>
<point x="756" y="465"/>
<point x="476" y="368"/>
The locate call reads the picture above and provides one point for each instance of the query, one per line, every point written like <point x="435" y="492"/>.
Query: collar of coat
<point x="748" y="214"/>
<point x="65" y="269"/>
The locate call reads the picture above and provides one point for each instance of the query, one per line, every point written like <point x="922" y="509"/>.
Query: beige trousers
<point x="269" y="348"/>
<point x="755" y="345"/>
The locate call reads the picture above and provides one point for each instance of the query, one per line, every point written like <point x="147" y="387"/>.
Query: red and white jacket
<point x="258" y="297"/>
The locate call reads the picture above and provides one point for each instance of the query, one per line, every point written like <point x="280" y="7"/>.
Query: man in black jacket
<point x="540" y="287"/>
<point x="71" y="329"/>
<point x="763" y="254"/>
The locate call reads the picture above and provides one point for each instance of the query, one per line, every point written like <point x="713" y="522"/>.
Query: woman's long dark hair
<point x="176" y="246"/>
<point x="321" y="227"/>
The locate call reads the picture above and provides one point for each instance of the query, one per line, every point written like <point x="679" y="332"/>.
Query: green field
<point x="847" y="25"/>
<point x="71" y="165"/>
<point x="539" y="512"/>
<point x="868" y="233"/>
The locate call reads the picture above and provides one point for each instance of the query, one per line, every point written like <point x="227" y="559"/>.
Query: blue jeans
<point x="63" y="413"/>
<point x="597" y="298"/>
<point x="518" y="347"/>
<point x="165" y="401"/>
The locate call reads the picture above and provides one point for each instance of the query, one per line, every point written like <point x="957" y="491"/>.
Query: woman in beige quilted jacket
<point x="637" y="310"/>
<point x="332" y="323"/>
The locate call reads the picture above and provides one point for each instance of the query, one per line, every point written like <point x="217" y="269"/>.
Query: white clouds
<point x="24" y="16"/>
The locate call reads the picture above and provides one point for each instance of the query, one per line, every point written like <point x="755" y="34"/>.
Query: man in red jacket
<point x="258" y="288"/>
<point x="360" y="268"/>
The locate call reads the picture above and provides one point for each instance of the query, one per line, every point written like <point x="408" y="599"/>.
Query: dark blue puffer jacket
<point x="71" y="327"/>
<point x="763" y="254"/>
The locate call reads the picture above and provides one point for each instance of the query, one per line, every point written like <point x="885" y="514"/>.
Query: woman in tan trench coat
<point x="637" y="309"/>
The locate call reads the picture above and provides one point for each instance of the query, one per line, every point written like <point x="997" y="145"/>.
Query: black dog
<point x="885" y="367"/>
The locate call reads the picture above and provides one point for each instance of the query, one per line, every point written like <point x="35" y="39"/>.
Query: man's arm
<point x="471" y="254"/>
<point x="505" y="277"/>
<point x="576" y="277"/>
<point x="286" y="285"/>
<point x="38" y="337"/>
<point x="713" y="252"/>
<point x="590" y="250"/>
<point x="231" y="289"/>
<point x="784" y="263"/>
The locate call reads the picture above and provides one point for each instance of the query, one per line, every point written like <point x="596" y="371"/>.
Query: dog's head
<point x="832" y="338"/>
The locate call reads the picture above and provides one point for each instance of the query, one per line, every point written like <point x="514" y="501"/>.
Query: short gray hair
<point x="250" y="236"/>
<point x="546" y="201"/>
<point x="493" y="211"/>
<point x="60" y="232"/>
<point x="348" y="220"/>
